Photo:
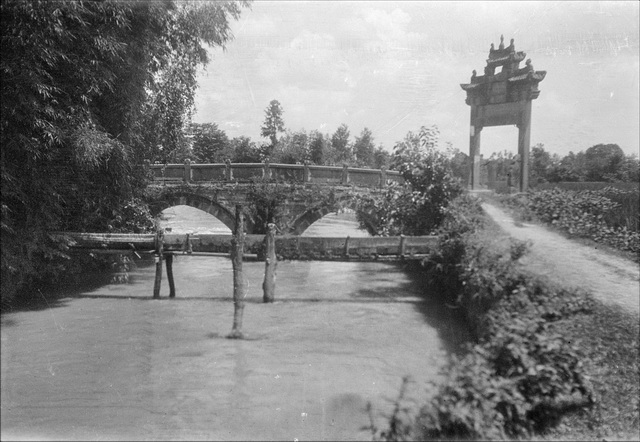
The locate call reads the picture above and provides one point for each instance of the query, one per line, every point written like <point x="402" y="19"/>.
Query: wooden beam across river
<point x="288" y="247"/>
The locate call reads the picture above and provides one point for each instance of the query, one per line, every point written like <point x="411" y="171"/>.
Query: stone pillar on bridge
<point x="383" y="177"/>
<point x="345" y="174"/>
<point x="187" y="170"/>
<point x="228" y="175"/>
<point x="266" y="170"/>
<point x="306" y="173"/>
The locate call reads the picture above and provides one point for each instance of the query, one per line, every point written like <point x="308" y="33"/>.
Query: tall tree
<point x="317" y="148"/>
<point x="602" y="162"/>
<point x="363" y="149"/>
<point x="273" y="122"/>
<point x="381" y="158"/>
<point x="459" y="162"/>
<point x="340" y="145"/>
<point x="293" y="148"/>
<point x="80" y="95"/>
<point x="210" y="144"/>
<point x="571" y="168"/>
<point x="629" y="169"/>
<point x="244" y="150"/>
<point x="540" y="164"/>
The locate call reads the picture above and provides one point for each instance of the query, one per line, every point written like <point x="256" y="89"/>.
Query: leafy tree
<point x="210" y="144"/>
<point x="540" y="164"/>
<point x="273" y="122"/>
<point x="318" y="148"/>
<point x="88" y="90"/>
<point x="629" y="169"/>
<point x="602" y="162"/>
<point x="266" y="204"/>
<point x="570" y="168"/>
<point x="244" y="150"/>
<point x="459" y="162"/>
<point x="506" y="165"/>
<point x="364" y="148"/>
<point x="418" y="207"/>
<point x="340" y="146"/>
<point x="381" y="158"/>
<point x="189" y="29"/>
<point x="292" y="148"/>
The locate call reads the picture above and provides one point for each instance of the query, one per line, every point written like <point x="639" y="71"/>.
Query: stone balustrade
<point x="290" y="173"/>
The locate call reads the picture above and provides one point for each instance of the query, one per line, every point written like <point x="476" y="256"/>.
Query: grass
<point x="608" y="339"/>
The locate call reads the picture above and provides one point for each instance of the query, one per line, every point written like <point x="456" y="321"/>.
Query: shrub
<point x="517" y="378"/>
<point x="609" y="216"/>
<point x="590" y="214"/>
<point x="419" y="206"/>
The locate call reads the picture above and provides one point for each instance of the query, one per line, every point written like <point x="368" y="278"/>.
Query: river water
<point x="109" y="362"/>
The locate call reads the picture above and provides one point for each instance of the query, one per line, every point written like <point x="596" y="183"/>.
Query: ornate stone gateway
<point x="501" y="99"/>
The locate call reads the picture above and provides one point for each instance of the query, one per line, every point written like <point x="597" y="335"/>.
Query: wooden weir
<point x="285" y="247"/>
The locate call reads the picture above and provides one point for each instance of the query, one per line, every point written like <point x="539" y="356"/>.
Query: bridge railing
<point x="292" y="173"/>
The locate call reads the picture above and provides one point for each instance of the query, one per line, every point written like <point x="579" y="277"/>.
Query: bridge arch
<point x="304" y="221"/>
<point x="197" y="201"/>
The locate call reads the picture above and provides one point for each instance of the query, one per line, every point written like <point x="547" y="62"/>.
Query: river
<point x="109" y="362"/>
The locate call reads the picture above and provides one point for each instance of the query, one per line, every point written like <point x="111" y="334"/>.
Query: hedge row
<point x="609" y="216"/>
<point x="517" y="378"/>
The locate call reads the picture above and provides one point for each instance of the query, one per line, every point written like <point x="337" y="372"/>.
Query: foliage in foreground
<point x="517" y="378"/>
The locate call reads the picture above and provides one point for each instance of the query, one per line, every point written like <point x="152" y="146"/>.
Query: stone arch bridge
<point x="312" y="191"/>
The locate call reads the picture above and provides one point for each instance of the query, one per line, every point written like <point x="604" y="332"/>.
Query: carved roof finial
<point x="528" y="64"/>
<point x="473" y="74"/>
<point x="511" y="46"/>
<point x="501" y="42"/>
<point x="493" y="48"/>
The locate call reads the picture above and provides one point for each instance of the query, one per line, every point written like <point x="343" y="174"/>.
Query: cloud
<point x="394" y="66"/>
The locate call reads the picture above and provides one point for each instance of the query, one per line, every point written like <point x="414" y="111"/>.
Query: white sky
<point x="395" y="66"/>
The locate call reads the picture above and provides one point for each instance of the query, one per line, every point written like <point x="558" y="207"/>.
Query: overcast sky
<point x="396" y="66"/>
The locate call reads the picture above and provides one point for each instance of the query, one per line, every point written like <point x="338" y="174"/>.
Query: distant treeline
<point x="207" y="143"/>
<point x="599" y="163"/>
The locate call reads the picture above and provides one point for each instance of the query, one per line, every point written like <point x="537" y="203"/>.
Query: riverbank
<point x="545" y="361"/>
<point x="607" y="338"/>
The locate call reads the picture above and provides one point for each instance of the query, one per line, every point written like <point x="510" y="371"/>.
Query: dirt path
<point x="611" y="279"/>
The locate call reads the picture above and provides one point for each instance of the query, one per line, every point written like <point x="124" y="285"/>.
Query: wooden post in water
<point x="237" y="252"/>
<point x="172" y="286"/>
<point x="270" y="265"/>
<point x="158" y="259"/>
